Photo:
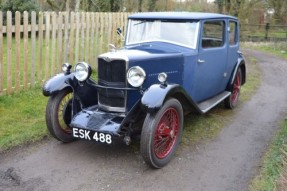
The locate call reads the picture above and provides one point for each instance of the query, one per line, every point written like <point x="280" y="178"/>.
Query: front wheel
<point x="161" y="134"/>
<point x="58" y="115"/>
<point x="232" y="100"/>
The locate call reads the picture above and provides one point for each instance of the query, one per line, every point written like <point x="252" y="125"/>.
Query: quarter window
<point x="232" y="28"/>
<point x="213" y="34"/>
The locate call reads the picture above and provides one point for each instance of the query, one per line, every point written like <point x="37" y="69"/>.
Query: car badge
<point x="107" y="59"/>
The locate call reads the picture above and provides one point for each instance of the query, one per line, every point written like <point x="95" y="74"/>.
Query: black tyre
<point x="161" y="134"/>
<point x="58" y="115"/>
<point x="232" y="100"/>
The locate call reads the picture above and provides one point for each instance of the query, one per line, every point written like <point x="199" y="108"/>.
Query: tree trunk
<point x="68" y="5"/>
<point x="77" y="7"/>
<point x="151" y="5"/>
<point x="227" y="5"/>
<point x="140" y="5"/>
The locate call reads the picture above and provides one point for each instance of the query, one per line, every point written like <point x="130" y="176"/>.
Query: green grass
<point x="276" y="48"/>
<point x="274" y="34"/>
<point x="273" y="163"/>
<point x="253" y="79"/>
<point x="22" y="118"/>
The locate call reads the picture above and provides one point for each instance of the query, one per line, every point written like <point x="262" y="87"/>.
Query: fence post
<point x="40" y="47"/>
<point x="72" y="37"/>
<point x="267" y="26"/>
<point x="60" y="42"/>
<point x="47" y="44"/>
<point x="33" y="48"/>
<point x="18" y="49"/>
<point x="26" y="49"/>
<point x="1" y="53"/>
<point x="54" y="34"/>
<point x="9" y="52"/>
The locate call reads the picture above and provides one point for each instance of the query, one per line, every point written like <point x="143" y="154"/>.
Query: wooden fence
<point x="263" y="32"/>
<point x="33" y="46"/>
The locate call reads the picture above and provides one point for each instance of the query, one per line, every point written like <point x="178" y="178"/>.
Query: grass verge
<point x="276" y="48"/>
<point x="273" y="172"/>
<point x="22" y="118"/>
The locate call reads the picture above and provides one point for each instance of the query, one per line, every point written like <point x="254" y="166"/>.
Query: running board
<point x="210" y="103"/>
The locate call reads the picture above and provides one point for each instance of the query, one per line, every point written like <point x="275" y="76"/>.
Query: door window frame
<point x="207" y="44"/>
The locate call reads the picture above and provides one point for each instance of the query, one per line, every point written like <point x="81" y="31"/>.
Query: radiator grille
<point x="112" y="74"/>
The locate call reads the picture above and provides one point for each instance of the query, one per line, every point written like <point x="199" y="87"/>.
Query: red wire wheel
<point x="233" y="99"/>
<point x="162" y="133"/>
<point x="166" y="133"/>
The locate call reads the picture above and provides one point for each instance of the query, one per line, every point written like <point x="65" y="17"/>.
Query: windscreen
<point x="183" y="33"/>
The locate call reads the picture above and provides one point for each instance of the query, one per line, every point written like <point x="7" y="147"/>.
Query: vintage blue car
<point x="171" y="63"/>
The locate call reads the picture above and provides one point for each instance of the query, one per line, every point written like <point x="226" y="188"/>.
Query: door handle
<point x="200" y="61"/>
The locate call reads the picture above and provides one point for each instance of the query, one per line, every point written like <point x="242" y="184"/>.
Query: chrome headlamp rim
<point x="136" y="76"/>
<point x="82" y="71"/>
<point x="162" y="77"/>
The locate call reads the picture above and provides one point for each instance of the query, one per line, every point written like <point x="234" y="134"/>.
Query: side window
<point x="232" y="29"/>
<point x="213" y="34"/>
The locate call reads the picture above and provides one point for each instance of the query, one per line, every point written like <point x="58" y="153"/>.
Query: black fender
<point x="57" y="83"/>
<point x="85" y="92"/>
<point x="155" y="96"/>
<point x="240" y="64"/>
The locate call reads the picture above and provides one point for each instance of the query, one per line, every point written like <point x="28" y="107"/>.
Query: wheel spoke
<point x="166" y="133"/>
<point x="63" y="104"/>
<point x="161" y="145"/>
<point x="236" y="89"/>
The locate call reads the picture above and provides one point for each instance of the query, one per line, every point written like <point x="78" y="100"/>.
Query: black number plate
<point x="92" y="135"/>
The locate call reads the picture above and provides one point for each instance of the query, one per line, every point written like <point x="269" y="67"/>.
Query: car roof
<point x="179" y="15"/>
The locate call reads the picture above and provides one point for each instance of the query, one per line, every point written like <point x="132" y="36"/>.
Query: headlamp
<point x="136" y="76"/>
<point x="82" y="71"/>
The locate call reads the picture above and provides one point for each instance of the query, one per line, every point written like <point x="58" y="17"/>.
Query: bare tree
<point x="280" y="10"/>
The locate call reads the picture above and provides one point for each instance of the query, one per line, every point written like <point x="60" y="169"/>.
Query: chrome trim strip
<point x="115" y="88"/>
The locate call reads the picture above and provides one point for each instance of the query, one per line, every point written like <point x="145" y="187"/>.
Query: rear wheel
<point x="58" y="115"/>
<point x="161" y="134"/>
<point x="232" y="100"/>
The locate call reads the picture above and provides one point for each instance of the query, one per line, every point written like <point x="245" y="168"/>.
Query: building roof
<point x="179" y="15"/>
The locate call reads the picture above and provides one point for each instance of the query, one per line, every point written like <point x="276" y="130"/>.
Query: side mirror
<point x="119" y="31"/>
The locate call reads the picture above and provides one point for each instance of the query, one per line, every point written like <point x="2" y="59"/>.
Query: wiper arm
<point x="139" y="23"/>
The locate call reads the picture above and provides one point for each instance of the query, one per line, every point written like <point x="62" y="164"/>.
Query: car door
<point x="212" y="58"/>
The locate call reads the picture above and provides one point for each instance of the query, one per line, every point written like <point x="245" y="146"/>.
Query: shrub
<point x="18" y="5"/>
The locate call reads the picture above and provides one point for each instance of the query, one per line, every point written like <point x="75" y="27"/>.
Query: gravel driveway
<point x="227" y="162"/>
